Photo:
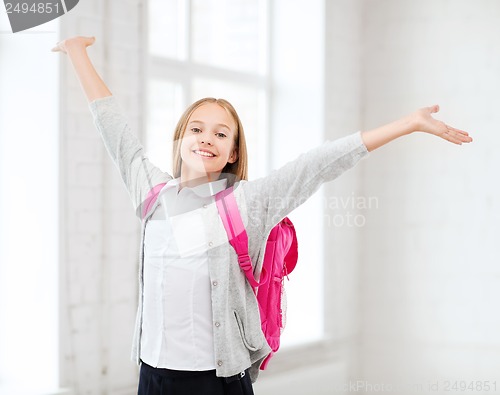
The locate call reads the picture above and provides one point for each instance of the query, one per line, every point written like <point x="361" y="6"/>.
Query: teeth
<point x="203" y="153"/>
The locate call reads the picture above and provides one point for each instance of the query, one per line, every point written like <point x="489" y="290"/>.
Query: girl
<point x="198" y="327"/>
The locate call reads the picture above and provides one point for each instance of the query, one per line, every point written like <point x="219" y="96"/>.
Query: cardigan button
<point x="219" y="363"/>
<point x="217" y="324"/>
<point x="210" y="244"/>
<point x="215" y="283"/>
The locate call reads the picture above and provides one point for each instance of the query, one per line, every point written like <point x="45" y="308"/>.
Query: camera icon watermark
<point x="25" y="14"/>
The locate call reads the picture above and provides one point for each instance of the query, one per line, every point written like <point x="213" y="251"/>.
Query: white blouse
<point x="177" y="327"/>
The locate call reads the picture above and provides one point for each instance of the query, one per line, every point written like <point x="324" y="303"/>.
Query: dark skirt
<point x="155" y="381"/>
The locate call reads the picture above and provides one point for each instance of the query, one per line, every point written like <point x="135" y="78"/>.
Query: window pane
<point x="249" y="102"/>
<point x="166" y="28"/>
<point x="164" y="109"/>
<point x="229" y="33"/>
<point x="305" y="291"/>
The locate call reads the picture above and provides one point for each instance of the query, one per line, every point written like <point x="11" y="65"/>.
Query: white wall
<point x="343" y="104"/>
<point x="28" y="208"/>
<point x="430" y="281"/>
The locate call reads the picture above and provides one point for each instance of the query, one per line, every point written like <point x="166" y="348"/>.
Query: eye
<point x="196" y="130"/>
<point x="220" y="134"/>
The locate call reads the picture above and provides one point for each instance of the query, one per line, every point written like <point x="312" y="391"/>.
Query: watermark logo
<point x="348" y="211"/>
<point x="25" y="14"/>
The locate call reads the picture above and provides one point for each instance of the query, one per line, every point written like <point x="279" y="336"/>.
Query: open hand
<point x="77" y="41"/>
<point x="424" y="122"/>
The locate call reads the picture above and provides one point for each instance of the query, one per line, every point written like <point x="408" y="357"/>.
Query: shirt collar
<point x="203" y="190"/>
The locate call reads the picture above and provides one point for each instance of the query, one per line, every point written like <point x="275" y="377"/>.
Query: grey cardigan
<point x="238" y="339"/>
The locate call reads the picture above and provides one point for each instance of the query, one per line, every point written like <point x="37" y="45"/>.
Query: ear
<point x="234" y="156"/>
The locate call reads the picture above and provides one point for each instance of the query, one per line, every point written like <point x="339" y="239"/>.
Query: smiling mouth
<point x="205" y="154"/>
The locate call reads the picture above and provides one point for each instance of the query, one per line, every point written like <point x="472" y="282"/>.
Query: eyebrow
<point x="203" y="123"/>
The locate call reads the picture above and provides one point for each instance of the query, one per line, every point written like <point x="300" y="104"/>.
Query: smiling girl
<point x="207" y="134"/>
<point x="198" y="328"/>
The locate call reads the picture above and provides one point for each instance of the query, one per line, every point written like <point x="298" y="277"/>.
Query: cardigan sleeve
<point x="139" y="175"/>
<point x="271" y="198"/>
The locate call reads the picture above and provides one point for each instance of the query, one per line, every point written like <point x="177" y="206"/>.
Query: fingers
<point x="451" y="138"/>
<point x="56" y="48"/>
<point x="462" y="132"/>
<point x="456" y="136"/>
<point x="61" y="46"/>
<point x="461" y="135"/>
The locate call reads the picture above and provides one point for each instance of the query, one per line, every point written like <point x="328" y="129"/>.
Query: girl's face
<point x="208" y="143"/>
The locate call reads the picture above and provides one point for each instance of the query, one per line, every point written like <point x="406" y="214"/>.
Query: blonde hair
<point x="238" y="169"/>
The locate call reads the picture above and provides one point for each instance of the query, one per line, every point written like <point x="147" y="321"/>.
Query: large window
<point x="29" y="151"/>
<point x="227" y="48"/>
<point x="202" y="48"/>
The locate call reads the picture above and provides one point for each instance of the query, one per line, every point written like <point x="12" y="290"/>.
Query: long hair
<point x="237" y="170"/>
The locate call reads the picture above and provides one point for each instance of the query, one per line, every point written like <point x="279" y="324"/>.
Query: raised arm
<point x="419" y="121"/>
<point x="76" y="48"/>
<point x="137" y="172"/>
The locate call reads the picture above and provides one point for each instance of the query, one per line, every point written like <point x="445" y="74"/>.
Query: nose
<point x="205" y="139"/>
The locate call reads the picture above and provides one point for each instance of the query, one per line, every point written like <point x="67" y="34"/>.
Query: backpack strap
<point x="150" y="199"/>
<point x="292" y="255"/>
<point x="237" y="235"/>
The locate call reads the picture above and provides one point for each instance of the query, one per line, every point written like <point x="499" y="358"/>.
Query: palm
<point x="426" y="123"/>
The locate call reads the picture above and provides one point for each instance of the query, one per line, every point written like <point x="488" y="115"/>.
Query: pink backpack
<point x="279" y="260"/>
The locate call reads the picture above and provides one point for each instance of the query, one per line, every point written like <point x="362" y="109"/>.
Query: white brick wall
<point x="98" y="227"/>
